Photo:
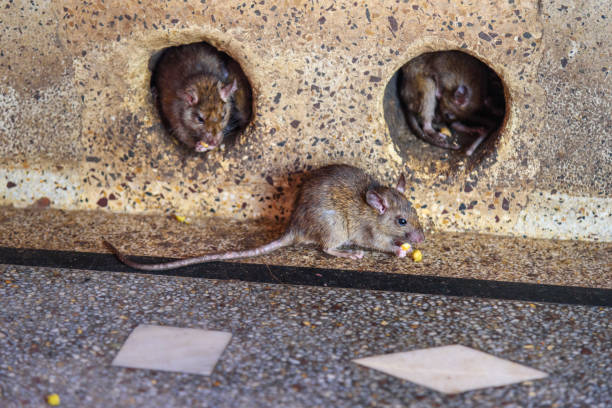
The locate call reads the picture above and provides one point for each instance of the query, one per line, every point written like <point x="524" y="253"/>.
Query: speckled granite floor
<point x="462" y="255"/>
<point x="292" y="346"/>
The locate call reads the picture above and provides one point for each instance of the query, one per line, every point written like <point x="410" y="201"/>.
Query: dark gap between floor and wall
<point x="369" y="280"/>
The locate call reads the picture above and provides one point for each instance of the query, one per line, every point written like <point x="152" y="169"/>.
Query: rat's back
<point x="181" y="62"/>
<point x="329" y="200"/>
<point x="335" y="186"/>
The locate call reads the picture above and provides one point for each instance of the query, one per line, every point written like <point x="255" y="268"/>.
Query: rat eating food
<point x="337" y="205"/>
<point x="202" y="95"/>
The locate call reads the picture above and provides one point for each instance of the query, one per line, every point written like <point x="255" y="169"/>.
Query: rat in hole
<point x="203" y="97"/>
<point x="455" y="89"/>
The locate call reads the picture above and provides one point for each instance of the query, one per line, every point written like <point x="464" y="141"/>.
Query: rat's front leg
<point x="399" y="252"/>
<point x="473" y="130"/>
<point x="428" y="113"/>
<point x="401" y="249"/>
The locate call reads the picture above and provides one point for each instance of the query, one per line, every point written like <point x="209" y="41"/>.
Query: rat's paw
<point x="399" y="252"/>
<point x="441" y="140"/>
<point x="203" y="147"/>
<point x="357" y="255"/>
<point x="482" y="130"/>
<point x="354" y="254"/>
<point x="347" y="253"/>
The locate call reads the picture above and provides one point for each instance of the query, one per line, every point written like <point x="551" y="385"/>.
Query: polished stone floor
<point x="291" y="346"/>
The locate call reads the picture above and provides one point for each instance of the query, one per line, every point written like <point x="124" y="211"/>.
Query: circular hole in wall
<point x="445" y="109"/>
<point x="203" y="97"/>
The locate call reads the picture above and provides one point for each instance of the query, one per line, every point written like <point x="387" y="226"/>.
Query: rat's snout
<point x="416" y="236"/>
<point x="206" y="144"/>
<point x="209" y="142"/>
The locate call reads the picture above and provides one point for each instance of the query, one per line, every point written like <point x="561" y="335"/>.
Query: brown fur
<point x="335" y="208"/>
<point x="332" y="211"/>
<point x="197" y="72"/>
<point x="429" y="92"/>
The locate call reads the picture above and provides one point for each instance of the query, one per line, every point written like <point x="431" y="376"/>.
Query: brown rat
<point x="447" y="87"/>
<point x="202" y="95"/>
<point x="484" y="121"/>
<point x="337" y="205"/>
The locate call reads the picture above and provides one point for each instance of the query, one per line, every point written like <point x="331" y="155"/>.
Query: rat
<point x="202" y="95"/>
<point x="337" y="205"/>
<point x="447" y="87"/>
<point x="487" y="118"/>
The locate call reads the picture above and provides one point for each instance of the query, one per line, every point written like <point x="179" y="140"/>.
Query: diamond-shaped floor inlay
<point x="166" y="348"/>
<point x="451" y="369"/>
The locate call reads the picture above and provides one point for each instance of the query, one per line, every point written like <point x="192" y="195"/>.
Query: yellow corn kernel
<point x="446" y="131"/>
<point x="53" y="400"/>
<point x="417" y="256"/>
<point x="406" y="246"/>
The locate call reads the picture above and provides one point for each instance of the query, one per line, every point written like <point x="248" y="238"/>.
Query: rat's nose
<point x="416" y="236"/>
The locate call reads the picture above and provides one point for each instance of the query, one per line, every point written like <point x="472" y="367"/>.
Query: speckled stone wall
<point x="78" y="129"/>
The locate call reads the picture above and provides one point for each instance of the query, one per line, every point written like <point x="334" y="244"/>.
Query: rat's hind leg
<point x="334" y="237"/>
<point x="480" y="131"/>
<point x="470" y="150"/>
<point x="344" y="253"/>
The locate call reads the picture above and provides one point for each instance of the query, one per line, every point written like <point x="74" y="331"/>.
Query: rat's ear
<point x="401" y="184"/>
<point x="226" y="91"/>
<point x="461" y="95"/>
<point x="377" y="201"/>
<point x="190" y="95"/>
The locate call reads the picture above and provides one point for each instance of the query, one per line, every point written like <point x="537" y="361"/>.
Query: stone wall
<point x="77" y="123"/>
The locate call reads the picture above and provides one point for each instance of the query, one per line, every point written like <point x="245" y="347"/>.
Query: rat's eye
<point x="402" y="221"/>
<point x="200" y="118"/>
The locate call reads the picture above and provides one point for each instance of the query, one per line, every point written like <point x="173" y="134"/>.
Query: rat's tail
<point x="286" y="240"/>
